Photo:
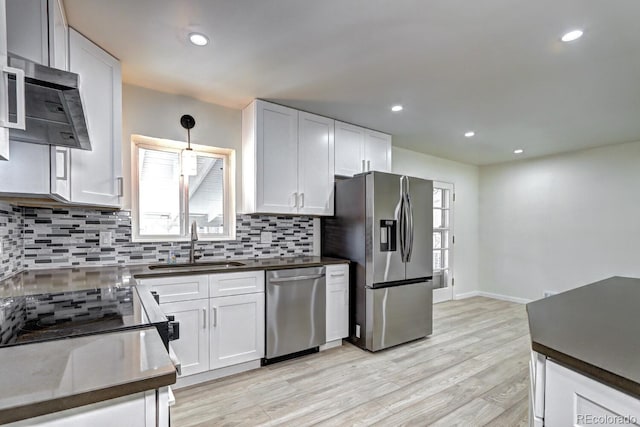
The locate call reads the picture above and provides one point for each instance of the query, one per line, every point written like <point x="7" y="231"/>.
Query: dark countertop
<point x="594" y="329"/>
<point x="37" y="379"/>
<point x="36" y="282"/>
<point x="50" y="376"/>
<point x="249" y="265"/>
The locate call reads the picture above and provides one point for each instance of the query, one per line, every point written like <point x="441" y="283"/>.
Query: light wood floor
<point x="471" y="372"/>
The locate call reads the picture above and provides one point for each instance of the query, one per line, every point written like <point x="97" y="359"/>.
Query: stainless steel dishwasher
<point x="295" y="310"/>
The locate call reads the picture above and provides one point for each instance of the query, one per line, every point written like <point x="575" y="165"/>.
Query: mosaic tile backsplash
<point x="11" y="240"/>
<point x="71" y="237"/>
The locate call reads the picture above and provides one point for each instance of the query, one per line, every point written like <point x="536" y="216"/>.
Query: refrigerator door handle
<point x="409" y="210"/>
<point x="401" y="226"/>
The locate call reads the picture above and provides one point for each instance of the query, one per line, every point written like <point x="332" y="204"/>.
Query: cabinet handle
<point x="204" y="318"/>
<point x="363" y="169"/>
<point x="20" y="110"/>
<point x="368" y="165"/>
<point x="295" y="200"/>
<point x="337" y="274"/>
<point x="63" y="153"/>
<point x="215" y="316"/>
<point x="120" y="186"/>
<point x="302" y="200"/>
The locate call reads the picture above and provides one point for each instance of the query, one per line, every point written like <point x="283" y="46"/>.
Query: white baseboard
<point x="504" y="297"/>
<point x="466" y="295"/>
<point x="494" y="296"/>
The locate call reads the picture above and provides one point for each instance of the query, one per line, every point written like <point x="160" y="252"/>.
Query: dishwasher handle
<point x="296" y="278"/>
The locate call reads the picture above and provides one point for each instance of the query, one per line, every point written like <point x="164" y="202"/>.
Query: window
<point x="442" y="233"/>
<point x="165" y="201"/>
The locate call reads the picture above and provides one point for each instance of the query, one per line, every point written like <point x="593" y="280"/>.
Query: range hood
<point x="53" y="106"/>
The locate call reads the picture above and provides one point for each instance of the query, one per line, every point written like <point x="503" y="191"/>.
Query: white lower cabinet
<point x="237" y="329"/>
<point x="572" y="399"/>
<point x="192" y="348"/>
<point x="337" y="302"/>
<point x="221" y="318"/>
<point x="137" y="410"/>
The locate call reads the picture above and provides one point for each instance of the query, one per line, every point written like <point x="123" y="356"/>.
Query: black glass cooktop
<point x="35" y="318"/>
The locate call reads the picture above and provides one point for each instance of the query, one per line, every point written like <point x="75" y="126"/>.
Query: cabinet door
<point x="337" y="302"/>
<point x="4" y="132"/>
<point x="192" y="348"/>
<point x="28" y="30"/>
<point x="96" y="174"/>
<point x="277" y="158"/>
<point x="575" y="399"/>
<point x="377" y="151"/>
<point x="315" y="164"/>
<point x="58" y="36"/>
<point x="237" y="329"/>
<point x="349" y="147"/>
<point x="28" y="170"/>
<point x="60" y="168"/>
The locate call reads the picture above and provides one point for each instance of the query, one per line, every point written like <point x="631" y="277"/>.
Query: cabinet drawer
<point x="338" y="274"/>
<point x="178" y="288"/>
<point x="245" y="282"/>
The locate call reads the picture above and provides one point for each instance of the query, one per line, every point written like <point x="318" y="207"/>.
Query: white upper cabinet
<point x="349" y="143"/>
<point x="287" y="161"/>
<point x="377" y="151"/>
<point x="276" y="147"/>
<point x="28" y="30"/>
<point x="315" y="164"/>
<point x="37" y="30"/>
<point x="4" y="97"/>
<point x="360" y="150"/>
<point x="58" y="36"/>
<point x="97" y="174"/>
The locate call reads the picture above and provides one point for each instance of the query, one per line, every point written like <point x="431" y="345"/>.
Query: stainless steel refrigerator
<point x="383" y="223"/>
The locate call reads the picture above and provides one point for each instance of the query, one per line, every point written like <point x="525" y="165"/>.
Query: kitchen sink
<point x="212" y="264"/>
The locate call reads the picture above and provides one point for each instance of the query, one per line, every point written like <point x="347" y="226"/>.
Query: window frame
<point x="228" y="201"/>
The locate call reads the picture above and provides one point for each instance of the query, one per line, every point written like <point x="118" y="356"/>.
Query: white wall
<point x="559" y="222"/>
<point x="465" y="178"/>
<point x="156" y="114"/>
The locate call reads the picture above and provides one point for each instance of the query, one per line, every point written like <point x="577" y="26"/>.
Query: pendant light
<point x="189" y="158"/>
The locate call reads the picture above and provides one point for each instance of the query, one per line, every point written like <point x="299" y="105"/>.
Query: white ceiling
<point x="493" y="66"/>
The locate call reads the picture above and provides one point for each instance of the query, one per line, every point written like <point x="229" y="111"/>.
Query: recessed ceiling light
<point x="198" y="39"/>
<point x="518" y="151"/>
<point x="572" y="35"/>
<point x="469" y="134"/>
<point x="396" y="108"/>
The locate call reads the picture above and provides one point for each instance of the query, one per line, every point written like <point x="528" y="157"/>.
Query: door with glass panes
<point x="442" y="241"/>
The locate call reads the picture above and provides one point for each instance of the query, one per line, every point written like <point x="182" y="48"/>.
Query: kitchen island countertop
<point x="41" y="378"/>
<point x="594" y="330"/>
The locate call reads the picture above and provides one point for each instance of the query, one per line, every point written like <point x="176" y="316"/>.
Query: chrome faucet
<point x="194" y="239"/>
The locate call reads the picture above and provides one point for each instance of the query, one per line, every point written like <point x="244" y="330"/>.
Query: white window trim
<point x="229" y="201"/>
